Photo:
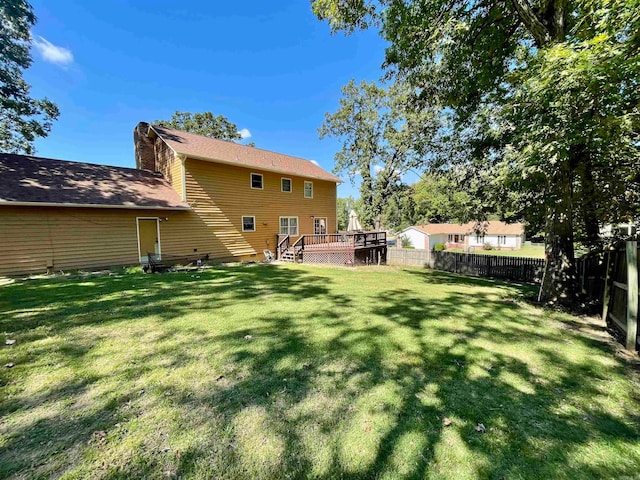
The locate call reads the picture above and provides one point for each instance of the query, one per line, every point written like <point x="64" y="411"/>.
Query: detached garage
<point x="57" y="215"/>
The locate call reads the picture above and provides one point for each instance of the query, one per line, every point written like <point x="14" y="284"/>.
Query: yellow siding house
<point x="188" y="195"/>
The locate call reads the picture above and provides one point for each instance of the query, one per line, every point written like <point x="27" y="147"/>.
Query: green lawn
<point x="531" y="251"/>
<point x="307" y="372"/>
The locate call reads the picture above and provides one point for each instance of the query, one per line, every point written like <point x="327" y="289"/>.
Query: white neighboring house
<point x="471" y="235"/>
<point x="621" y="229"/>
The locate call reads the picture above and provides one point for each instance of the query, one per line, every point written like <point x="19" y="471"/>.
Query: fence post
<point x="632" y="294"/>
<point x="607" y="289"/>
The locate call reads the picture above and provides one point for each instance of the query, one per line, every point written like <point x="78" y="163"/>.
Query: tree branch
<point x="540" y="33"/>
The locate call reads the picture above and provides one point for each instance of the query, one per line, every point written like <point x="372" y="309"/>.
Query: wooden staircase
<point x="286" y="252"/>
<point x="288" y="255"/>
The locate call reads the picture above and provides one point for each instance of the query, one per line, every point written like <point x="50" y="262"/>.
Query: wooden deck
<point x="335" y="248"/>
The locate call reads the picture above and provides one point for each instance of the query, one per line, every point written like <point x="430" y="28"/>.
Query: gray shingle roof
<point x="27" y="179"/>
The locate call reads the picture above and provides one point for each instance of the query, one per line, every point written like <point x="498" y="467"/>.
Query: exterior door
<point x="148" y="237"/>
<point x="320" y="226"/>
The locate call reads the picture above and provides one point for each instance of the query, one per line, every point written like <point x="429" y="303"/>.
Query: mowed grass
<point x="530" y="251"/>
<point x="295" y="371"/>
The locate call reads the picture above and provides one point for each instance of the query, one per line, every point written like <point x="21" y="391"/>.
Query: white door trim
<point x="325" y="225"/>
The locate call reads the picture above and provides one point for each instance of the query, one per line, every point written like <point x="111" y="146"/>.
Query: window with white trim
<point x="256" y="181"/>
<point x="308" y="189"/>
<point x="479" y="238"/>
<point x="289" y="226"/>
<point x="248" y="223"/>
<point x="285" y="184"/>
<point x="502" y="239"/>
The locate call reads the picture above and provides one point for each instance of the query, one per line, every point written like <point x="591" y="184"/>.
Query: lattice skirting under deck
<point x="334" y="258"/>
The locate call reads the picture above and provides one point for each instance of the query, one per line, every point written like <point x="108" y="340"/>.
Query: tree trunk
<point x="366" y="193"/>
<point x="588" y="204"/>
<point x="559" y="285"/>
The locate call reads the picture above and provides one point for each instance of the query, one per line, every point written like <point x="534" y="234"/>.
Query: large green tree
<point x="399" y="210"/>
<point x="203" y="123"/>
<point x="22" y="118"/>
<point x="542" y="94"/>
<point x="381" y="140"/>
<point x="443" y="197"/>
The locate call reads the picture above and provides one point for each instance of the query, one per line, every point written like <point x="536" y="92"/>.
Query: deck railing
<point x="329" y="242"/>
<point x="282" y="244"/>
<point x="342" y="240"/>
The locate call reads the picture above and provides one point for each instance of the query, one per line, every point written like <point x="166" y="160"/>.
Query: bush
<point x="438" y="247"/>
<point x="488" y="246"/>
<point x="405" y="241"/>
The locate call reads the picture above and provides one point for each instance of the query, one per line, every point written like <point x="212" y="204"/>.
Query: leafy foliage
<point x="539" y="98"/>
<point x="405" y="241"/>
<point x="399" y="209"/>
<point x="345" y="205"/>
<point x="22" y="118"/>
<point x="204" y="123"/>
<point x="443" y="198"/>
<point x="381" y="140"/>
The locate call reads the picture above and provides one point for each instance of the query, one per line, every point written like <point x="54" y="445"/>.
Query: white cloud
<point x="314" y="162"/>
<point x="377" y="169"/>
<point x="245" y="133"/>
<point x="52" y="53"/>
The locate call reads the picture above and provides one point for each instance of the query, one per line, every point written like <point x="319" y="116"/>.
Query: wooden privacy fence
<point x="591" y="270"/>
<point x="620" y="303"/>
<point x="608" y="280"/>
<point x="520" y="269"/>
<point x="408" y="256"/>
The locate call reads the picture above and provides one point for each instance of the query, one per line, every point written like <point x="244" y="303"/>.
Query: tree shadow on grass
<point x="359" y="388"/>
<point x="535" y="420"/>
<point x="58" y="323"/>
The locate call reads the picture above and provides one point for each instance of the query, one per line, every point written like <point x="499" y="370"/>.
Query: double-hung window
<point x="248" y="223"/>
<point x="289" y="226"/>
<point x="256" y="181"/>
<point x="285" y="184"/>
<point x="502" y="239"/>
<point x="308" y="189"/>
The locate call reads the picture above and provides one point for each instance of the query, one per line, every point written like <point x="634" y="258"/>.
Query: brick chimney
<point x="143" y="147"/>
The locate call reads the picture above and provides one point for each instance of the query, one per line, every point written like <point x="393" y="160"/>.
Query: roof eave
<point x="276" y="170"/>
<point x="9" y="203"/>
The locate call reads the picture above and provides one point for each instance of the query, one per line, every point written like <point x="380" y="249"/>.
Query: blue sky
<point x="270" y="67"/>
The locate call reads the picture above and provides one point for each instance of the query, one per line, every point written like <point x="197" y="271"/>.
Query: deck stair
<point x="290" y="254"/>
